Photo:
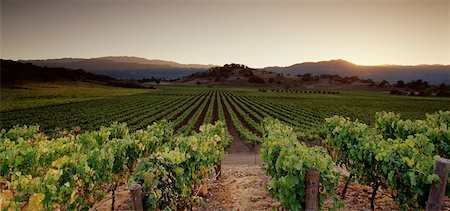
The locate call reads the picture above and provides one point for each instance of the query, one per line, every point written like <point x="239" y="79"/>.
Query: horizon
<point x="219" y="65"/>
<point x="255" y="33"/>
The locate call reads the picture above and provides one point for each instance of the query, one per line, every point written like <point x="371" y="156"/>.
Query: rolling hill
<point x="241" y="75"/>
<point x="434" y="74"/>
<point x="124" y="67"/>
<point x="14" y="73"/>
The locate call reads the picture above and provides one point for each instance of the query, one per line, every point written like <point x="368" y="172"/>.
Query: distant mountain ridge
<point x="125" y="67"/>
<point x="434" y="74"/>
<point x="129" y="67"/>
<point x="139" y="60"/>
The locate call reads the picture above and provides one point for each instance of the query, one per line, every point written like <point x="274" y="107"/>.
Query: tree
<point x="256" y="79"/>
<point x="384" y="83"/>
<point x="307" y="77"/>
<point x="400" y="84"/>
<point x="418" y="85"/>
<point x="443" y="93"/>
<point x="442" y="86"/>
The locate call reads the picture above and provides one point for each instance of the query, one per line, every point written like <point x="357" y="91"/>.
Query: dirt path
<point x="242" y="186"/>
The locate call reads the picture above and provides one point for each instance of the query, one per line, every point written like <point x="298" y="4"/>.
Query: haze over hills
<point x="434" y="74"/>
<point x="124" y="67"/>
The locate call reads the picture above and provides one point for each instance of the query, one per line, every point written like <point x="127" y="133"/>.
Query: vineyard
<point x="187" y="108"/>
<point x="171" y="140"/>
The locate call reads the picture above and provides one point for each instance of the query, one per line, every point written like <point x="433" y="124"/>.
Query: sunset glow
<point x="256" y="33"/>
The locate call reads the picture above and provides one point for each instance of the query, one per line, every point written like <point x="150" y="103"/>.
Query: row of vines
<point x="74" y="171"/>
<point x="397" y="155"/>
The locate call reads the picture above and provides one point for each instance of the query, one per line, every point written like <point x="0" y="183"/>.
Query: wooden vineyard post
<point x="136" y="197"/>
<point x="437" y="190"/>
<point x="219" y="169"/>
<point x="204" y="188"/>
<point x="312" y="189"/>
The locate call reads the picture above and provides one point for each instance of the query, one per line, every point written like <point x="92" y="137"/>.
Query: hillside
<point x="124" y="67"/>
<point x="241" y="75"/>
<point x="14" y="73"/>
<point x="434" y="74"/>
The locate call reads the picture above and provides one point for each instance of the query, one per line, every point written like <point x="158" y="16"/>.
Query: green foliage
<point x="436" y="127"/>
<point x="60" y="173"/>
<point x="163" y="181"/>
<point x="243" y="132"/>
<point x="287" y="160"/>
<point x="189" y="126"/>
<point x="36" y="95"/>
<point x="395" y="153"/>
<point x="27" y="154"/>
<point x="168" y="175"/>
<point x="352" y="145"/>
<point x="67" y="172"/>
<point x="407" y="168"/>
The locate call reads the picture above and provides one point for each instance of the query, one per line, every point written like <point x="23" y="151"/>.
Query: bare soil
<point x="122" y="200"/>
<point x="242" y="186"/>
<point x="358" y="198"/>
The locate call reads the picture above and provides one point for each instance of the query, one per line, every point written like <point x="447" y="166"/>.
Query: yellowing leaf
<point x="146" y="176"/>
<point x="23" y="182"/>
<point x="72" y="196"/>
<point x="56" y="206"/>
<point x="410" y="143"/>
<point x="58" y="163"/>
<point x="35" y="202"/>
<point x="194" y="148"/>
<point x="5" y="198"/>
<point x="91" y="199"/>
<point x="53" y="171"/>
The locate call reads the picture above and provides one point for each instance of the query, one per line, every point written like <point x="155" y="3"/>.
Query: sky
<point x="257" y="33"/>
